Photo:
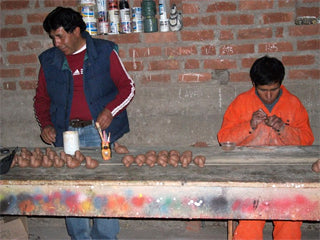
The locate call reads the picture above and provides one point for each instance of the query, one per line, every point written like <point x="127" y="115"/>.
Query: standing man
<point x="81" y="81"/>
<point x="266" y="115"/>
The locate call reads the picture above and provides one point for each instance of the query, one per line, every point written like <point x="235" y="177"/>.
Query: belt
<point x="77" y="123"/>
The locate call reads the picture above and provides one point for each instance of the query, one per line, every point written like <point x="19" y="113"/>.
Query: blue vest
<point x="99" y="88"/>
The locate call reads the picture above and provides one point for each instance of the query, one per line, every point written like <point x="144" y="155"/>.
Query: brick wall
<point x="216" y="48"/>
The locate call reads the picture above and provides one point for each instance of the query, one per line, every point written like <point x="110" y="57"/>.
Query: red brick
<point x="22" y="59"/>
<point x="222" y="6"/>
<point x="226" y="35"/>
<point x="190" y="21"/>
<point x="12" y="32"/>
<point x="279" y="32"/>
<point x="219" y="64"/>
<point x="36" y="17"/>
<point x="308" y="11"/>
<point x="192" y="64"/>
<point x="13" y="19"/>
<point x="65" y="3"/>
<point x="194" y="77"/>
<point x="144" y="52"/>
<point x="255" y="5"/>
<point x="208" y="50"/>
<point x="163" y="65"/>
<point x="37" y="4"/>
<point x="9" y="86"/>
<point x="304" y="74"/>
<point x="14" y="4"/>
<point x="255" y="33"/>
<point x="189" y="8"/>
<point x="160" y="37"/>
<point x="275" y="47"/>
<point x="9" y="73"/>
<point x="313" y="44"/>
<point x="287" y="3"/>
<point x="124" y="38"/>
<point x="26" y="85"/>
<point x="181" y="51"/>
<point x="203" y="35"/>
<point x="12" y="46"/>
<point x="156" y="78"/>
<point x="277" y="17"/>
<point x="240" y="77"/>
<point x="37" y="30"/>
<point x="247" y="62"/>
<point x="236" y="49"/>
<point x="238" y="19"/>
<point x="133" y="66"/>
<point x="209" y="20"/>
<point x="304" y="30"/>
<point x="298" y="60"/>
<point x="30" y="72"/>
<point x="31" y="45"/>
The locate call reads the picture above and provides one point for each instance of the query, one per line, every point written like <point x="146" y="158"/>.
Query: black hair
<point x="67" y="18"/>
<point x="267" y="70"/>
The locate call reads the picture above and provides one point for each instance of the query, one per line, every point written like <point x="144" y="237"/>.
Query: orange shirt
<point x="236" y="122"/>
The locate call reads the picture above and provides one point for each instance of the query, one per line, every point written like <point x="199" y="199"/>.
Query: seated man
<point x="266" y="115"/>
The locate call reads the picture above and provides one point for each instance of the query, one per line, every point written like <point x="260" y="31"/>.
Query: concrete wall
<point x="184" y="80"/>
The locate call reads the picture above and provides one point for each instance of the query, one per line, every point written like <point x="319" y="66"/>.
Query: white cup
<point x="70" y="142"/>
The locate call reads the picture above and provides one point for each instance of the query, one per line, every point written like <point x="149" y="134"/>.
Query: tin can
<point x="87" y="11"/>
<point x="91" y="24"/>
<point x="136" y="13"/>
<point x="125" y="25"/>
<point x="137" y="26"/>
<point x="113" y="21"/>
<point x="103" y="25"/>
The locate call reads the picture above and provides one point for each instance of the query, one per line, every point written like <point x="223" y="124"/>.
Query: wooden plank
<point x="247" y="183"/>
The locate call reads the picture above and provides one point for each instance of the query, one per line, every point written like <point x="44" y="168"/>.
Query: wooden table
<point x="245" y="183"/>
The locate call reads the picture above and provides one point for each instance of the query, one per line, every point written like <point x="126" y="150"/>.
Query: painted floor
<point x="54" y="229"/>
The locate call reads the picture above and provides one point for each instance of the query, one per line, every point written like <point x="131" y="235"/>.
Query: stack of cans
<point x="137" y="23"/>
<point x="88" y="14"/>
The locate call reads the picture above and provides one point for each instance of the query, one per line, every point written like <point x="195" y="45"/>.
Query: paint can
<point x="70" y="142"/>
<point x="113" y="21"/>
<point x="91" y="24"/>
<point x="136" y="13"/>
<point x="103" y="24"/>
<point x="137" y="26"/>
<point x="87" y="11"/>
<point x="137" y="23"/>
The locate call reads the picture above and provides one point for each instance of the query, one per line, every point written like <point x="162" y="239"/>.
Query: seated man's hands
<point x="260" y="116"/>
<point x="257" y="118"/>
<point x="275" y="122"/>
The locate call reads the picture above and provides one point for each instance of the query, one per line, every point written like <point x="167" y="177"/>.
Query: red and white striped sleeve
<point x="124" y="83"/>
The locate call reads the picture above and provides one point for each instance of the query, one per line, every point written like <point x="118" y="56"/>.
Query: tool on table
<point x="105" y="143"/>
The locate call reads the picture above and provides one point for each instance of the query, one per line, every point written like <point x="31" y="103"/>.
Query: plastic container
<point x="228" y="146"/>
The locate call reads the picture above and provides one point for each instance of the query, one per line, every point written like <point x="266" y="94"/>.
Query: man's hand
<point x="275" y="122"/>
<point x="105" y="118"/>
<point x="257" y="118"/>
<point x="48" y="134"/>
